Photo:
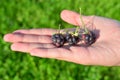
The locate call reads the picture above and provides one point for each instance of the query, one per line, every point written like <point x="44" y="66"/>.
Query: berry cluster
<point x="74" y="38"/>
<point x="81" y="35"/>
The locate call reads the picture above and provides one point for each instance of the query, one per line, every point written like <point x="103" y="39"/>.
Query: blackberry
<point x="58" y="39"/>
<point x="71" y="39"/>
<point x="88" y="38"/>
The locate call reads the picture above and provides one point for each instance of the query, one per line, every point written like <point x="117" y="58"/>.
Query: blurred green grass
<point x="25" y="14"/>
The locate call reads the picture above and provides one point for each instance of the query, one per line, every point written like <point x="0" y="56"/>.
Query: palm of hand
<point x="105" y="51"/>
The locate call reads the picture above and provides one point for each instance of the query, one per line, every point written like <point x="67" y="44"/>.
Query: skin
<point x="105" y="51"/>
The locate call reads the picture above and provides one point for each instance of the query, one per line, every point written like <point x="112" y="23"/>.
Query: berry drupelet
<point x="58" y="39"/>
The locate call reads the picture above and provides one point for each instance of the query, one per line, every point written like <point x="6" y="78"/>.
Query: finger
<point x="81" y="56"/>
<point x="43" y="31"/>
<point x="51" y="53"/>
<point x="27" y="38"/>
<point x="74" y="18"/>
<point x="26" y="47"/>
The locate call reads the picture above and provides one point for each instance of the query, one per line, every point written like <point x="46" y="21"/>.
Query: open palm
<point x="105" y="51"/>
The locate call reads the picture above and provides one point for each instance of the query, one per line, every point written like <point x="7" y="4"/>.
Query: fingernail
<point x="7" y="37"/>
<point x="13" y="47"/>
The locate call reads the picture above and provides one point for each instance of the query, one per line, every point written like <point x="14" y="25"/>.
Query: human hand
<point x="105" y="51"/>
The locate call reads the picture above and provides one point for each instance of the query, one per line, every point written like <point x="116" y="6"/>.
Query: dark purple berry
<point x="58" y="39"/>
<point x="88" y="38"/>
<point x="71" y="39"/>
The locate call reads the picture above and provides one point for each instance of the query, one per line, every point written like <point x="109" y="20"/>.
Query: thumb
<point x="74" y="18"/>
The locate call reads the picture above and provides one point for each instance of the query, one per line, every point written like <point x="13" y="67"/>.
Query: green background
<point x="27" y="14"/>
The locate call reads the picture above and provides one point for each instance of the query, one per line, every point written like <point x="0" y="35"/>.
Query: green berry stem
<point x="83" y="25"/>
<point x="59" y="28"/>
<point x="76" y="31"/>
